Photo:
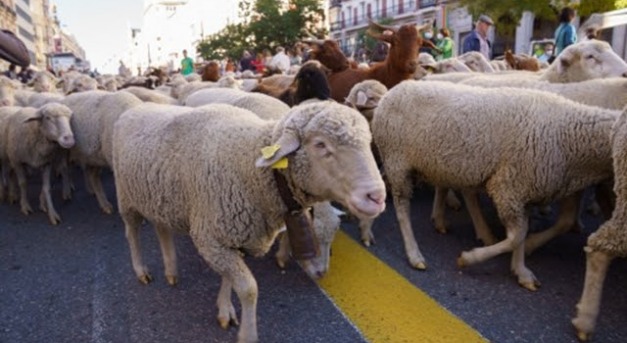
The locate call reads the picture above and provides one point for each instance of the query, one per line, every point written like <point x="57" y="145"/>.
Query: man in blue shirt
<point x="478" y="40"/>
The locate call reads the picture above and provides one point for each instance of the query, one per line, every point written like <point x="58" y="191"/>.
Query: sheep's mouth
<point x="366" y="208"/>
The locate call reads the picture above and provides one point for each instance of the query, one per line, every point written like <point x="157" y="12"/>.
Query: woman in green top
<point x="445" y="44"/>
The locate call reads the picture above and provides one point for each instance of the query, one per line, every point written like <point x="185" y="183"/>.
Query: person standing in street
<point x="478" y="40"/>
<point x="445" y="44"/>
<point x="187" y="64"/>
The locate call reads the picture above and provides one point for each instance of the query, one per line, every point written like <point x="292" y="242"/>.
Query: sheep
<point x="82" y="83"/>
<point x="400" y="63"/>
<point x="309" y="83"/>
<point x="450" y="77"/>
<point x="327" y="147"/>
<point x="476" y="62"/>
<point x="211" y="72"/>
<point x="43" y="81"/>
<point x="277" y="81"/>
<point x="39" y="99"/>
<point x="608" y="242"/>
<point x="538" y="157"/>
<point x="94" y="113"/>
<point x="521" y="61"/>
<point x="266" y="107"/>
<point x="149" y="95"/>
<point x="5" y="113"/>
<point x="326" y="223"/>
<point x="185" y="90"/>
<point x="34" y="138"/>
<point x="365" y="97"/>
<point x="584" y="61"/>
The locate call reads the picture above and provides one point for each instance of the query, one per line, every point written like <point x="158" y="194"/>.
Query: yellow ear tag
<point x="280" y="164"/>
<point x="269" y="151"/>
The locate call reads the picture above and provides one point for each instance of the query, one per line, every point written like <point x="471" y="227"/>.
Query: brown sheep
<point x="211" y="72"/>
<point x="521" y="61"/>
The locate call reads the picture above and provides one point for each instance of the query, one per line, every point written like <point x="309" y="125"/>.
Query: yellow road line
<point x="384" y="306"/>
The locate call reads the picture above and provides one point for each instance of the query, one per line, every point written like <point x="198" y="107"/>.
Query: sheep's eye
<point x="590" y="57"/>
<point x="320" y="145"/>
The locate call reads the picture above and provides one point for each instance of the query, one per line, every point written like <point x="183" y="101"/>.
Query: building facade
<point x="25" y="27"/>
<point x="8" y="15"/>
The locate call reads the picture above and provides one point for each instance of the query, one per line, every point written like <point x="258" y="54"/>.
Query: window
<point x="355" y="17"/>
<point x="23" y="14"/>
<point x="343" y="21"/>
<point x="384" y="8"/>
<point x="369" y="11"/>
<point x="400" y="6"/>
<point x="25" y="34"/>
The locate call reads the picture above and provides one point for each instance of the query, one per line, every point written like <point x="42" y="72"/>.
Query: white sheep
<point x="34" y="137"/>
<point x="476" y="62"/>
<point x="82" y="83"/>
<point x="365" y="96"/>
<point x="586" y="60"/>
<point x="94" y="113"/>
<point x="523" y="146"/>
<point x="7" y="91"/>
<point x="150" y="95"/>
<point x="43" y="81"/>
<point x="186" y="89"/>
<point x="226" y="202"/>
<point x="608" y="242"/>
<point x="266" y="107"/>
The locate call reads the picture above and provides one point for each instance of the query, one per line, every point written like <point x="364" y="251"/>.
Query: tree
<point x="266" y="24"/>
<point x="369" y="42"/>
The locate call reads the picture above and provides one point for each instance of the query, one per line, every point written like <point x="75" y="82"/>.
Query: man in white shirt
<point x="280" y="61"/>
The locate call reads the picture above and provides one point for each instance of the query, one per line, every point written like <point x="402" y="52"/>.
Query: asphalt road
<point x="74" y="283"/>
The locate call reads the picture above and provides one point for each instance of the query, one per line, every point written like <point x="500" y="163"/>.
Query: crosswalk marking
<point x="383" y="305"/>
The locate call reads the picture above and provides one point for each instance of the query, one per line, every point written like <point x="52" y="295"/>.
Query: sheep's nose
<point x="625" y="74"/>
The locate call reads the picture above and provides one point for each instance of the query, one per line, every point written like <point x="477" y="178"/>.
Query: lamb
<point x="327" y="147"/>
<point x="94" y="113"/>
<point x="326" y="223"/>
<point x="34" y="137"/>
<point x="608" y="242"/>
<point x="149" y="95"/>
<point x="523" y="169"/>
<point x="266" y="107"/>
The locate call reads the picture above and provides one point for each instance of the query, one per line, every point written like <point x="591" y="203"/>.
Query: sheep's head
<point x="83" y="83"/>
<point x="365" y="97"/>
<point x="54" y="120"/>
<point x="521" y="62"/>
<point x="211" y="72"/>
<point x="476" y="62"/>
<point x="43" y="81"/>
<point x="328" y="52"/>
<point x="311" y="82"/>
<point x="327" y="146"/>
<point x="588" y="60"/>
<point x="326" y="223"/>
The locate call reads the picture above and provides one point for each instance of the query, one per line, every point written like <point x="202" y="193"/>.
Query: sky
<point x="102" y="27"/>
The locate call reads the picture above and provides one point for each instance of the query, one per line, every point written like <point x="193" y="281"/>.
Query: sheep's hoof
<point x="366" y="242"/>
<point x="27" y="210"/>
<point x="281" y="260"/>
<point x="172" y="280"/>
<point x="532" y="286"/>
<point x="582" y="336"/>
<point x="145" y="279"/>
<point x="55" y="220"/>
<point x="419" y="266"/>
<point x="107" y="209"/>
<point x="461" y="263"/>
<point x="226" y="321"/>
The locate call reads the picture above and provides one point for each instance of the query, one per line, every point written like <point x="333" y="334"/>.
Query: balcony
<point x="393" y="10"/>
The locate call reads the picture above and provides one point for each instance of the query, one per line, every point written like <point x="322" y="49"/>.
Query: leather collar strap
<point x="298" y="222"/>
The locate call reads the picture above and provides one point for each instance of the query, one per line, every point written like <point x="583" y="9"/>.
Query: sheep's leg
<point x="597" y="263"/>
<point x="66" y="181"/>
<point x="168" y="251"/>
<point x="416" y="259"/>
<point x="283" y="253"/>
<point x="569" y="212"/>
<point x="437" y="212"/>
<point x="4" y="181"/>
<point x="365" y="229"/>
<point x="93" y="173"/>
<point x="47" y="204"/>
<point x="516" y="223"/>
<point x="226" y="311"/>
<point x="230" y="265"/>
<point x="606" y="198"/>
<point x="452" y="201"/>
<point x="132" y="221"/>
<point x="22" y="183"/>
<point x="12" y="188"/>
<point x="482" y="230"/>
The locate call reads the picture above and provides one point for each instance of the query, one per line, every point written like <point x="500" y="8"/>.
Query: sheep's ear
<point x="287" y="144"/>
<point x="362" y="98"/>
<point x="36" y="117"/>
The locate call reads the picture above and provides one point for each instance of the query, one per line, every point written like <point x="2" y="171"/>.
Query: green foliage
<point x="266" y="24"/>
